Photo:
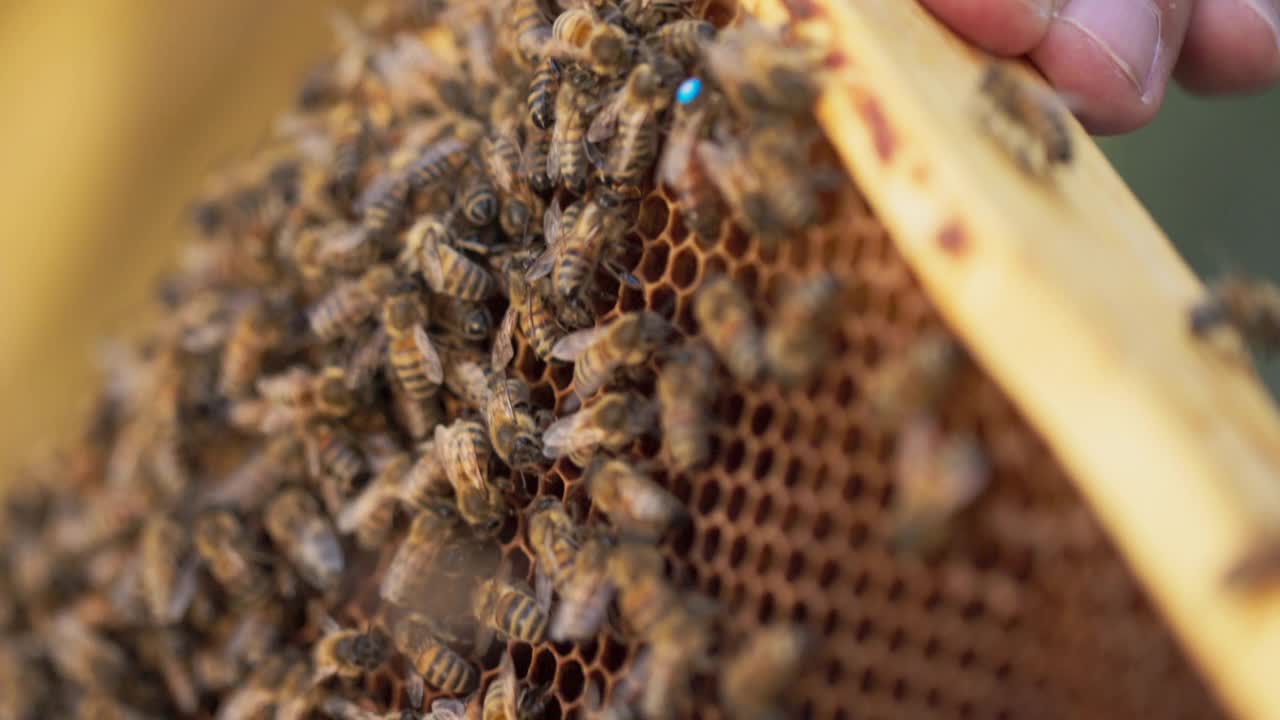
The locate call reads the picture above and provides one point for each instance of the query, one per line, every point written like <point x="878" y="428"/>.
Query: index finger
<point x="1004" y="27"/>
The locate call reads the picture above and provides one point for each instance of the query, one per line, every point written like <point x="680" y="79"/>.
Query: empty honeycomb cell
<point x="737" y="552"/>
<point x="764" y="559"/>
<point x="733" y="456"/>
<point x="569" y="681"/>
<point x="653" y="264"/>
<point x="736" y="243"/>
<point x="748" y="278"/>
<point x="790" y="517"/>
<point x="543" y="669"/>
<point x="761" y="418"/>
<point x="797" y="252"/>
<point x="653" y="216"/>
<point x="767" y="607"/>
<point x="710" y="544"/>
<point x="763" y="464"/>
<point x="552" y="710"/>
<point x="613" y="654"/>
<point x="715" y="265"/>
<point x="630" y="299"/>
<point x="552" y="485"/>
<point x="795" y="566"/>
<point x="709" y="497"/>
<point x="684" y="268"/>
<point x="737" y="501"/>
<point x="662" y="300"/>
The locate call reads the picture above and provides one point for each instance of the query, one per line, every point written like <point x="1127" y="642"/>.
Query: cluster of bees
<point x="330" y="371"/>
<point x="330" y="396"/>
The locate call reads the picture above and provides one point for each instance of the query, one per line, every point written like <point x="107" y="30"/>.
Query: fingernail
<point x="1269" y="11"/>
<point x="1127" y="30"/>
<point x="1042" y="8"/>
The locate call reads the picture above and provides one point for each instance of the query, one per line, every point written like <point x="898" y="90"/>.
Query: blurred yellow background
<point x="115" y="110"/>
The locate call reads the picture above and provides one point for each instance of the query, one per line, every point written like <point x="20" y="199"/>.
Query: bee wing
<point x="564" y="436"/>
<point x="605" y="123"/>
<point x="719" y="163"/>
<point x="570" y="347"/>
<point x="553" y="153"/>
<point x="366" y="359"/>
<point x="507" y="677"/>
<point x="342" y="243"/>
<point x="448" y="709"/>
<point x="542" y="266"/>
<point x="435" y="368"/>
<point x="355" y="512"/>
<point x="502" y="173"/>
<point x="551" y="223"/>
<point x="343" y="709"/>
<point x="414" y="687"/>
<point x="503" y="351"/>
<point x="430" y="265"/>
<point x="183" y="591"/>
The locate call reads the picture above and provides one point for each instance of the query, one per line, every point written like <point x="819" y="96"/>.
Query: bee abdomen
<point x="447" y="671"/>
<point x="521" y="618"/>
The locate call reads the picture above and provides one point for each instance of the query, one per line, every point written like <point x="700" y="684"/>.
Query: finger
<point x="1232" y="46"/>
<point x="1114" y="57"/>
<point x="1005" y="27"/>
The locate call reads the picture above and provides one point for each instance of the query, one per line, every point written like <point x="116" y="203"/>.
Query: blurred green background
<point x="1208" y="170"/>
<point x="117" y="108"/>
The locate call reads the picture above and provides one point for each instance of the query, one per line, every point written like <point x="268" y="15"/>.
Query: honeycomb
<point x="1027" y="612"/>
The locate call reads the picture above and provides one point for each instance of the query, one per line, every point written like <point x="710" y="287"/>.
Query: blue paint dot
<point x="689" y="90"/>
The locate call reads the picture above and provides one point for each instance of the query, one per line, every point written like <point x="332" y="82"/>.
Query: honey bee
<point x="682" y="171"/>
<point x="760" y="73"/>
<point x="520" y="205"/>
<point x="298" y="527"/>
<point x="252" y="335"/>
<point x="464" y="450"/>
<point x="627" y="340"/>
<point x="344" y="248"/>
<point x="533" y="160"/>
<point x="501" y="700"/>
<point x="332" y="453"/>
<point x="724" y="314"/>
<point x="530" y="29"/>
<point x="333" y="398"/>
<point x="586" y="246"/>
<point x="436" y="528"/>
<point x="685" y="39"/>
<point x="799" y="336"/>
<point x="513" y="429"/>
<point x="1027" y="120"/>
<point x="341" y="312"/>
<point x="426" y="481"/>
<point x="566" y="155"/>
<point x="469" y="321"/>
<point x="446" y="157"/>
<point x="604" y="49"/>
<point x="1251" y="307"/>
<point x="410" y="353"/>
<point x="755" y="680"/>
<point x="163" y="650"/>
<point x="918" y="381"/>
<point x="686" y="389"/>
<point x="936" y="476"/>
<point x="83" y="656"/>
<point x="612" y="423"/>
<point x="435" y="662"/>
<point x="763" y="181"/>
<point x="585" y="593"/>
<point x="479" y="200"/>
<point x="348" y="654"/>
<point x="645" y="598"/>
<point x="508" y="606"/>
<point x="555" y="540"/>
<point x="259" y="476"/>
<point x="543" y="86"/>
<point x="640" y="508"/>
<point x="370" y="514"/>
<point x="382" y="205"/>
<point x="168" y="575"/>
<point x="221" y="542"/>
<point x="533" y="315"/>
<point x="351" y="146"/>
<point x="446" y="269"/>
<point x="468" y="379"/>
<point x="630" y="122"/>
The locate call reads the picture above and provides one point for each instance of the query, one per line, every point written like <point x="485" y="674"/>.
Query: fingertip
<point x="1104" y="93"/>
<point x="1232" y="46"/>
<point x="1004" y="27"/>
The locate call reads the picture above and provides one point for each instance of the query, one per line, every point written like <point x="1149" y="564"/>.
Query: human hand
<point x="1114" y="58"/>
